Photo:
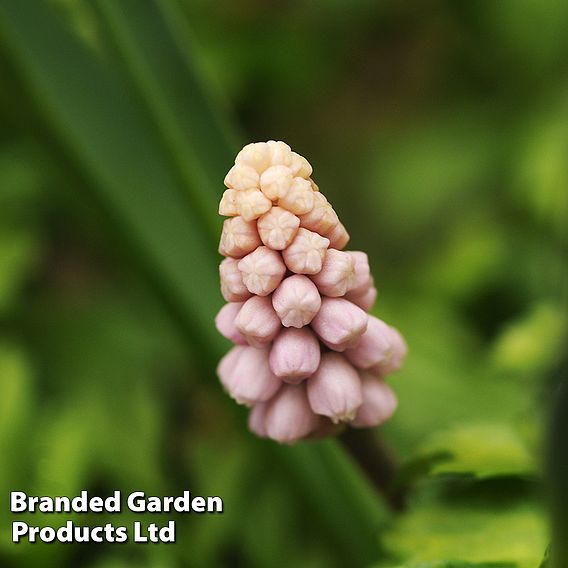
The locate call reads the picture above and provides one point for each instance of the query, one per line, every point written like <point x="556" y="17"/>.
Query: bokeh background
<point x="439" y="131"/>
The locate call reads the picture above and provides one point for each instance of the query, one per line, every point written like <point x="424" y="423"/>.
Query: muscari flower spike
<point x="308" y="359"/>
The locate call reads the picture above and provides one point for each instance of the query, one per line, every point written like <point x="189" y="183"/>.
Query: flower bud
<point x="288" y="416"/>
<point x="227" y="364"/>
<point x="339" y="323"/>
<point x="335" y="389"/>
<point x="256" y="419"/>
<point x="277" y="228"/>
<point x="228" y="206"/>
<point x="292" y="295"/>
<point x="239" y="237"/>
<point x="255" y="155"/>
<point x="299" y="199"/>
<point x="295" y="355"/>
<point x="374" y="347"/>
<point x="275" y="182"/>
<point x="306" y="252"/>
<point x="336" y="274"/>
<point x="399" y="350"/>
<point x="242" y="177"/>
<point x="322" y="218"/>
<point x="379" y="403"/>
<point x="362" y="281"/>
<point x="365" y="300"/>
<point x="252" y="203"/>
<point x="280" y="153"/>
<point x="296" y="301"/>
<point x="232" y="285"/>
<point x="300" y="166"/>
<point x="338" y="237"/>
<point x="225" y="323"/>
<point x="250" y="380"/>
<point x="257" y="321"/>
<point x="262" y="271"/>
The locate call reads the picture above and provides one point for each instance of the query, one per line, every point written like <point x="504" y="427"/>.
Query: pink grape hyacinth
<point x="308" y="358"/>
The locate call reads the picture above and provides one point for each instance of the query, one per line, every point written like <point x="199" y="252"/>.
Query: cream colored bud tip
<point x="299" y="199"/>
<point x="276" y="181"/>
<point x="252" y="203"/>
<point x="239" y="237"/>
<point x="262" y="270"/>
<point x="296" y="301"/>
<point x="228" y="206"/>
<point x="306" y="252"/>
<point x="242" y="177"/>
<point x="256" y="155"/>
<point x="277" y="228"/>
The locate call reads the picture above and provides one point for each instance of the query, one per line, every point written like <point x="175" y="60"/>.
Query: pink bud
<point x="256" y="419"/>
<point x="336" y="275"/>
<point x="255" y="155"/>
<point x="277" y="228"/>
<point x="250" y="379"/>
<point x="300" y="166"/>
<point x="398" y="354"/>
<point x="228" y="205"/>
<point x="295" y="355"/>
<point x="257" y="321"/>
<point x="288" y="415"/>
<point x="232" y="285"/>
<point x="362" y="281"/>
<point x="262" y="271"/>
<point x="225" y="322"/>
<point x="252" y="203"/>
<point x="275" y="182"/>
<point x="322" y="218"/>
<point x="280" y="153"/>
<point x="365" y="300"/>
<point x="314" y="185"/>
<point x="242" y="177"/>
<point x="338" y="237"/>
<point x="296" y="301"/>
<point x="335" y="389"/>
<point x="339" y="323"/>
<point x="300" y="197"/>
<point x="239" y="237"/>
<point x="306" y="252"/>
<point x="227" y="364"/>
<point x="379" y="403"/>
<point x="374" y="347"/>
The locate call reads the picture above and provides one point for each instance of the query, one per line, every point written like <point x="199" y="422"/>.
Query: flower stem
<point x="377" y="461"/>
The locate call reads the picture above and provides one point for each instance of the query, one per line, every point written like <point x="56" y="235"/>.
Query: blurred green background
<point x="439" y="131"/>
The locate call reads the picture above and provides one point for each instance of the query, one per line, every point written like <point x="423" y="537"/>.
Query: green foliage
<point x="481" y="450"/>
<point x="532" y="343"/>
<point x="458" y="564"/>
<point x="513" y="535"/>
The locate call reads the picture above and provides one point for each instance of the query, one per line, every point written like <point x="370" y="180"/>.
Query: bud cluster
<point x="308" y="357"/>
